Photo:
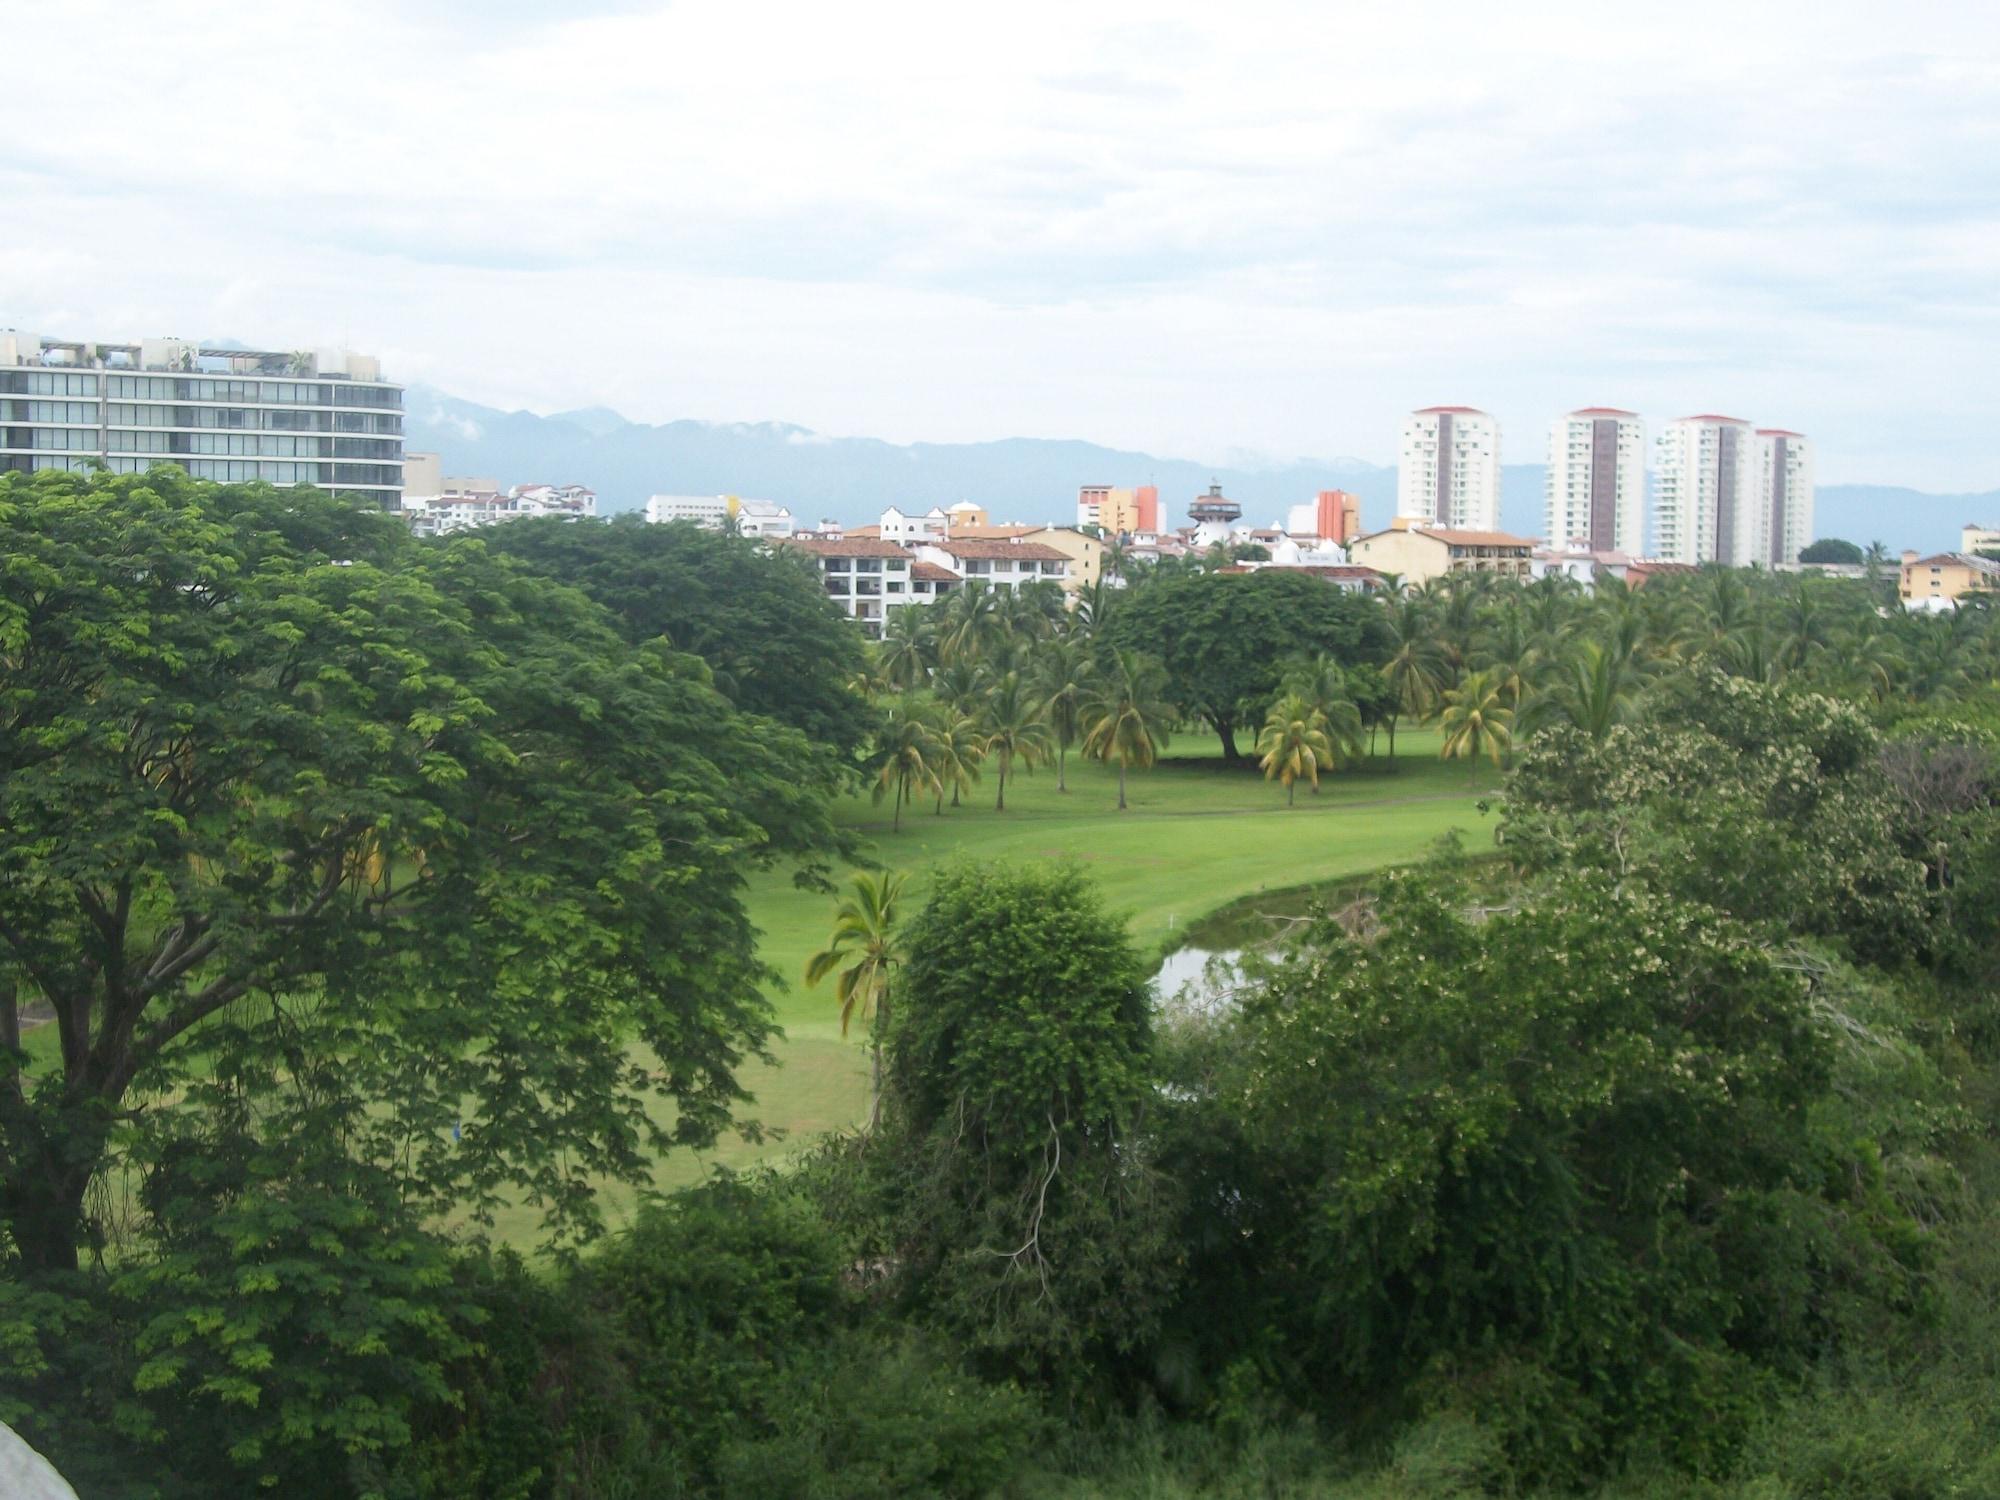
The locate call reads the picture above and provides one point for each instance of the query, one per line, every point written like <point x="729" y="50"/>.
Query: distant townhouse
<point x="1417" y="554"/>
<point x="1084" y="551"/>
<point x="1978" y="538"/>
<point x="934" y="525"/>
<point x="468" y="504"/>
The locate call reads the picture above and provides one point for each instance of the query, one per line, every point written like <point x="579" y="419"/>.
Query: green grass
<point x="1199" y="835"/>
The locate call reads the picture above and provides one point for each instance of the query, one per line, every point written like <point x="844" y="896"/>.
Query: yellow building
<point x="1417" y="554"/>
<point x="1945" y="576"/>
<point x="1974" y="538"/>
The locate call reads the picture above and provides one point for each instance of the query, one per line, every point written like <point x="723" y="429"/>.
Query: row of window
<point x="267" y="392"/>
<point x="77" y="412"/>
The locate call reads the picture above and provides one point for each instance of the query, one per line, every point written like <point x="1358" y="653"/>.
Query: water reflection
<point x="1198" y="980"/>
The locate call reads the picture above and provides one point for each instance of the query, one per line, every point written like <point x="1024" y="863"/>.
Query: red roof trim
<point x="1709" y="416"/>
<point x="1602" y="411"/>
<point x="1457" y="411"/>
<point x="1778" y="432"/>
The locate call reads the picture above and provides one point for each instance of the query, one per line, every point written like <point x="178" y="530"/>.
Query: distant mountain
<point x="849" y="479"/>
<point x="1031" y="479"/>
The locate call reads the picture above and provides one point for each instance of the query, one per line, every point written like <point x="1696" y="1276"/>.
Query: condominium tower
<point x="326" y="419"/>
<point x="1731" y="493"/>
<point x="1596" y="497"/>
<point x="1449" y="469"/>
<point x="1784" y="473"/>
<point x="1704" y="504"/>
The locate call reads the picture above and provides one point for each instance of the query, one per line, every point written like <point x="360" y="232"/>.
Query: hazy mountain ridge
<point x="852" y="479"/>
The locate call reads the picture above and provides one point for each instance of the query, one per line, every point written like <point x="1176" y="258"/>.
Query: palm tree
<point x="1125" y="714"/>
<point x="973" y="621"/>
<point x="1476" y="719"/>
<point x="1063" y="674"/>
<point x="864" y="950"/>
<point x="1415" y="667"/>
<point x="956" y="750"/>
<point x="1013" y="729"/>
<point x="1322" y="682"/>
<point x="1294" y="744"/>
<point x="903" y="747"/>
<point x="1593" y="689"/>
<point x="909" y="648"/>
<point x="962" y="684"/>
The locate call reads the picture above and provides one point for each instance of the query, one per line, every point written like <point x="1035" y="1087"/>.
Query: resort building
<point x="1416" y="553"/>
<point x="932" y="526"/>
<point x="1448" y="469"/>
<point x="1596" y="487"/>
<point x="1008" y="563"/>
<point x="282" y="417"/>
<point x="1977" y="538"/>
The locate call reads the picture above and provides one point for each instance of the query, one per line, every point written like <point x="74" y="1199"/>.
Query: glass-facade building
<point x="223" y="414"/>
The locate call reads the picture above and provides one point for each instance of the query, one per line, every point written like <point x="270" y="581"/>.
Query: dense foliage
<point x="360" y="886"/>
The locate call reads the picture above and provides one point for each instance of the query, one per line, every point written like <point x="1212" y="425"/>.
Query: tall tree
<point x="1013" y="729"/>
<point x="758" y="615"/>
<point x="957" y="747"/>
<point x="1126" y="716"/>
<point x="901" y="761"/>
<point x="270" y="767"/>
<point x="1063" y="672"/>
<point x="863" y="953"/>
<point x="1415" y="666"/>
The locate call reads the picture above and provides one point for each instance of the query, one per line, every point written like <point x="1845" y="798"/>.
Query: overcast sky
<point x="1191" y="230"/>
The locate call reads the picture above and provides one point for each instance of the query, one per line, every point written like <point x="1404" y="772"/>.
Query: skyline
<point x="1171" y="235"/>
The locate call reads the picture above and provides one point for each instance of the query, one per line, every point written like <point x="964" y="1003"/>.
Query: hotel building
<point x="325" y="419"/>
<point x="1784" y="471"/>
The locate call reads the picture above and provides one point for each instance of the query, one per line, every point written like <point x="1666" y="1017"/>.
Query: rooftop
<point x="973" y="547"/>
<point x="1778" y="432"/>
<point x="925" y="572"/>
<point x="1602" y="411"/>
<point x="1447" y="411"/>
<point x="851" y="546"/>
<point x="1709" y="416"/>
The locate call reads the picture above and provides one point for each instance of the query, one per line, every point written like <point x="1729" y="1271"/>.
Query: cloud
<point x="1184" y="229"/>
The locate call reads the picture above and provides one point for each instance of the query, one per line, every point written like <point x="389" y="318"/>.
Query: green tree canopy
<point x="758" y="617"/>
<point x="1832" y="549"/>
<point x="269" y="766"/>
<point x="1224" y="639"/>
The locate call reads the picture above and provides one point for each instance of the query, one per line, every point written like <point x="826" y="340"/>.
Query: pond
<point x="1198" y="980"/>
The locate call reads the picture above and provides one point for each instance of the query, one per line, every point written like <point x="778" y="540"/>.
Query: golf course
<point x="1199" y="833"/>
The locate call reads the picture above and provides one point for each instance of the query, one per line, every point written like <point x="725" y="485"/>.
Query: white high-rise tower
<point x="1449" y="472"/>
<point x="1596" y="496"/>
<point x="1706" y="508"/>
<point x="1783" y="469"/>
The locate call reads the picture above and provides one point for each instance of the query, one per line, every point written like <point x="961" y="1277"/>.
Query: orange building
<point x="1339" y="516"/>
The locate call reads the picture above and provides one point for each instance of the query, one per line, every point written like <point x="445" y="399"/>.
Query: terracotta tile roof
<point x="1453" y="538"/>
<point x="924" y="572"/>
<point x="864" y="533"/>
<point x="1000" y="551"/>
<point x="993" y="533"/>
<point x="1970" y="560"/>
<point x="853" y="546"/>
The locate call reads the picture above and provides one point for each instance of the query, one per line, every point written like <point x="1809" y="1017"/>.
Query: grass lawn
<point x="1198" y="835"/>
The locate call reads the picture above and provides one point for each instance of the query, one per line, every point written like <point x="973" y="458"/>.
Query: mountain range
<point x="851" y="480"/>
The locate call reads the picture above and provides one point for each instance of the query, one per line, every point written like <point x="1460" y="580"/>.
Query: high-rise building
<point x="284" y="417"/>
<point x="1449" y="469"/>
<point x="1596" y="495"/>
<point x="1331" y="515"/>
<point x="1705" y="507"/>
<point x="1784" y="474"/>
<point x="1118" y="511"/>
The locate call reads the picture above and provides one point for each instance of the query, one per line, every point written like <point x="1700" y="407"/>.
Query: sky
<point x="1200" y="231"/>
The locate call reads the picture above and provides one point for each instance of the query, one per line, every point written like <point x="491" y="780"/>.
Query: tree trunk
<point x="896" y="826"/>
<point x="1225" y="726"/>
<point x="1121" y="783"/>
<point x="1392" y="739"/>
<point x="1292" y="792"/>
<point x="1000" y="802"/>
<point x="1062" y="752"/>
